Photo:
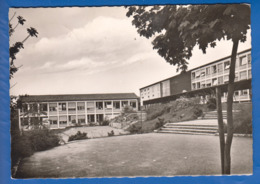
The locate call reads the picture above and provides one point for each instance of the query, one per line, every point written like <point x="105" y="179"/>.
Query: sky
<point x="91" y="50"/>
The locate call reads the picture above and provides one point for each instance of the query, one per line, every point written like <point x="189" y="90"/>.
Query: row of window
<point x="80" y="106"/>
<point x="221" y="80"/>
<point x="220" y="67"/>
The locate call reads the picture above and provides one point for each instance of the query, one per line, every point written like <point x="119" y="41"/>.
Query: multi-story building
<point x="60" y="111"/>
<point x="166" y="88"/>
<point x="217" y="73"/>
<point x="198" y="81"/>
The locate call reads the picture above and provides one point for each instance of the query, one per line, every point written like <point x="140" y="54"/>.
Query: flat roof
<point x="78" y="97"/>
<point x="195" y="68"/>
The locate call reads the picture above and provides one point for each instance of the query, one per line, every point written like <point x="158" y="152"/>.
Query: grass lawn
<point x="151" y="154"/>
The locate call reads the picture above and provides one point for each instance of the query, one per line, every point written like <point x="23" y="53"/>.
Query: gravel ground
<point x="151" y="154"/>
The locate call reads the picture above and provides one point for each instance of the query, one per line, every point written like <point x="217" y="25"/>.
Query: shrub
<point x="25" y="144"/>
<point x="111" y="133"/>
<point x="134" y="129"/>
<point x="104" y="123"/>
<point x="197" y="112"/>
<point x="160" y="123"/>
<point x="127" y="109"/>
<point x="78" y="136"/>
<point x="212" y="104"/>
<point x="43" y="139"/>
<point x="243" y="120"/>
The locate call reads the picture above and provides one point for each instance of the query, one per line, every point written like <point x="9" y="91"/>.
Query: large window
<point x="198" y="85"/>
<point x="108" y="105"/>
<point x="249" y="74"/>
<point x="243" y="75"/>
<point x="214" y="81"/>
<point x="33" y="107"/>
<point x="72" y="119"/>
<point x="53" y="120"/>
<point x="99" y="105"/>
<point x="63" y="120"/>
<point x="226" y="79"/>
<point x="243" y="61"/>
<point x="226" y="65"/>
<point x="220" y="67"/>
<point x="116" y="104"/>
<point x="62" y="107"/>
<point x="81" y="119"/>
<point x="249" y="59"/>
<point x="220" y="80"/>
<point x="208" y="71"/>
<point x="72" y="106"/>
<point x="193" y="75"/>
<point x="244" y="92"/>
<point x="203" y="85"/>
<point x="90" y="106"/>
<point x="43" y="107"/>
<point x="208" y="83"/>
<point x="193" y="85"/>
<point x="214" y="69"/>
<point x="52" y="107"/>
<point x="81" y="106"/>
<point x="202" y="74"/>
<point x="236" y="77"/>
<point x="124" y="103"/>
<point x="197" y="74"/>
<point x="133" y="104"/>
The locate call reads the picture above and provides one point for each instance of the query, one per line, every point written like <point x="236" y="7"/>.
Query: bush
<point x="25" y="144"/>
<point x="134" y="129"/>
<point x="197" y="112"/>
<point x="104" y="123"/>
<point x="43" y="139"/>
<point x="78" y="136"/>
<point x="212" y="104"/>
<point x="112" y="133"/>
<point x="243" y="120"/>
<point x="160" y="123"/>
<point x="127" y="109"/>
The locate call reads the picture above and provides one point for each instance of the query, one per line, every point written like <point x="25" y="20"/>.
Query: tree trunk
<point x="25" y="39"/>
<point x="230" y="108"/>
<point x="221" y="129"/>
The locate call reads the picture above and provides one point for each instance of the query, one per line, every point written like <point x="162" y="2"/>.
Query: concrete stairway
<point x="194" y="128"/>
<point x="214" y="114"/>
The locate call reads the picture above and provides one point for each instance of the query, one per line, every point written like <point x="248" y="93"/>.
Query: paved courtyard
<point x="151" y="154"/>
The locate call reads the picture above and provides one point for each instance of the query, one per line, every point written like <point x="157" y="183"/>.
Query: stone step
<point x="183" y="132"/>
<point x="193" y="127"/>
<point x="189" y="130"/>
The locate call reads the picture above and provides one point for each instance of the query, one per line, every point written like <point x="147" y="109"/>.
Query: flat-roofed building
<point x="61" y="111"/>
<point x="202" y="80"/>
<point x="217" y="73"/>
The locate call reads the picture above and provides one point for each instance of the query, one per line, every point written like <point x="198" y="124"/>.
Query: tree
<point x="17" y="46"/>
<point x="176" y="30"/>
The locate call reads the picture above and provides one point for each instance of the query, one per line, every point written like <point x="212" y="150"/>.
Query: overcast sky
<point x="91" y="50"/>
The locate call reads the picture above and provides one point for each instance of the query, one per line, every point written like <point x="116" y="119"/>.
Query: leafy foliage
<point x="16" y="47"/>
<point x="78" y="136"/>
<point x="177" y="29"/>
<point x="25" y="144"/>
<point x="212" y="103"/>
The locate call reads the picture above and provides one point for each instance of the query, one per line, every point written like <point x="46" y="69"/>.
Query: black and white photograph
<point x="131" y="91"/>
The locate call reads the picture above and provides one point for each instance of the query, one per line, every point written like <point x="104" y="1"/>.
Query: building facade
<point x="198" y="80"/>
<point x="217" y="73"/>
<point x="168" y="87"/>
<point x="60" y="111"/>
